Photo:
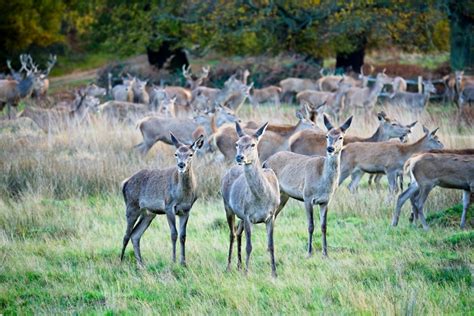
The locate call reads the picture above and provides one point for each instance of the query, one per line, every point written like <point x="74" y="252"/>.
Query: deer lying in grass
<point x="120" y="111"/>
<point x="276" y="137"/>
<point x="366" y="97"/>
<point x="170" y="192"/>
<point x="452" y="169"/>
<point x="251" y="193"/>
<point x="54" y="119"/>
<point x="267" y="94"/>
<point x="310" y="142"/>
<point x="311" y="180"/>
<point x="295" y="85"/>
<point x="412" y="100"/>
<point x="383" y="157"/>
<point x="157" y="128"/>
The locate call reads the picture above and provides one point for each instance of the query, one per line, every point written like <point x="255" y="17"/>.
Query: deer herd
<point x="274" y="162"/>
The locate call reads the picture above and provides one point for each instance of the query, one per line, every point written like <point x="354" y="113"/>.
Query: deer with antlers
<point x="194" y="83"/>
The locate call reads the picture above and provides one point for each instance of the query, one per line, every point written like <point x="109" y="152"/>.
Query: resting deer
<point x="251" y="193"/>
<point x="383" y="157"/>
<point x="311" y="142"/>
<point x="52" y="119"/>
<point x="295" y="85"/>
<point x="170" y="192"/>
<point x="312" y="180"/>
<point x="452" y="169"/>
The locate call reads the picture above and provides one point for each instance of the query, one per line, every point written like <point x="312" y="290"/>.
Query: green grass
<point x="63" y="256"/>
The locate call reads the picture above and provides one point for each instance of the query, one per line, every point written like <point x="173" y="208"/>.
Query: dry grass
<point x="62" y="221"/>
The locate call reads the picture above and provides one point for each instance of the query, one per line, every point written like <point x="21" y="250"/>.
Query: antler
<point x="186" y="72"/>
<point x="205" y="72"/>
<point x="51" y="62"/>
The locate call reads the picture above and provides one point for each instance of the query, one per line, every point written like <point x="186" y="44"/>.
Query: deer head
<point x="247" y="145"/>
<point x="184" y="153"/>
<point x="335" y="136"/>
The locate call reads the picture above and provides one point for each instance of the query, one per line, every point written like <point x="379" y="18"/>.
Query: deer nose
<point x="239" y="158"/>
<point x="181" y="165"/>
<point x="330" y="149"/>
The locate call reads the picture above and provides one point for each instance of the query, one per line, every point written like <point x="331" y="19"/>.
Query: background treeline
<point x="312" y="28"/>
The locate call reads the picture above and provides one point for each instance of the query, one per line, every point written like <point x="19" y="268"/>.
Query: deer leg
<point x="9" y="111"/>
<point x="171" y="217"/>
<point x="402" y="198"/>
<point x="420" y="202"/>
<point x="240" y="230"/>
<point x="466" y="200"/>
<point x="309" y="214"/>
<point x="283" y="200"/>
<point x="392" y="181"/>
<point x="355" y="176"/>
<point x="371" y="178"/>
<point x="400" y="177"/>
<point x="248" y="237"/>
<point x="270" y="223"/>
<point x="323" y="212"/>
<point x="231" y="223"/>
<point x="183" y="222"/>
<point x="277" y="101"/>
<point x="137" y="233"/>
<point x="378" y="178"/>
<point x="132" y="215"/>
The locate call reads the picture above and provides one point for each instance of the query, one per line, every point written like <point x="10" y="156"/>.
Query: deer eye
<point x="253" y="145"/>
<point x="327" y="136"/>
<point x="340" y="137"/>
<point x="176" y="155"/>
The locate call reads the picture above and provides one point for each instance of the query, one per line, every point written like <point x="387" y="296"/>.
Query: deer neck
<point x="418" y="146"/>
<point x="378" y="136"/>
<point x="256" y="179"/>
<point x="377" y="88"/>
<point x="330" y="174"/>
<point x="25" y="87"/>
<point x="186" y="181"/>
<point x="338" y="98"/>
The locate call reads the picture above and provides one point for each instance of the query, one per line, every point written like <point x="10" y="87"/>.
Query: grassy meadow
<point x="62" y="220"/>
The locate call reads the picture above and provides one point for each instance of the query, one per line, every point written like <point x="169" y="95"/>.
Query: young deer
<point x="312" y="180"/>
<point x="384" y="157"/>
<point x="452" y="169"/>
<point x="251" y="193"/>
<point x="170" y="192"/>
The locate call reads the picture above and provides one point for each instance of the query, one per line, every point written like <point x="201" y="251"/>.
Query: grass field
<point x="62" y="221"/>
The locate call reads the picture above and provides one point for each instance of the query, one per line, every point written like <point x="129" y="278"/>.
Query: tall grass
<point x="62" y="221"/>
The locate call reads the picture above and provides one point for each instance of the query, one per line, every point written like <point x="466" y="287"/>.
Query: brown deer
<point x="170" y="192"/>
<point x="295" y="85"/>
<point x="194" y="83"/>
<point x="267" y="94"/>
<point x="311" y="180"/>
<point x="366" y="97"/>
<point x="383" y="157"/>
<point x="334" y="101"/>
<point x="276" y="137"/>
<point x="452" y="169"/>
<point x="251" y="193"/>
<point x="157" y="128"/>
<point x="310" y="142"/>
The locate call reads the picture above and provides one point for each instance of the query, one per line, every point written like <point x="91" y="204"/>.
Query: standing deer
<point x="194" y="83"/>
<point x="267" y="94"/>
<point x="170" y="192"/>
<point x="124" y="92"/>
<point x="12" y="91"/>
<point x="251" y="193"/>
<point x="452" y="169"/>
<point x="413" y="101"/>
<point x="366" y="97"/>
<point x="383" y="157"/>
<point x="312" y="180"/>
<point x="140" y="95"/>
<point x="311" y="142"/>
<point x="41" y="89"/>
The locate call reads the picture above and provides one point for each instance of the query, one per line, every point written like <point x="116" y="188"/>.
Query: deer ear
<point x="198" y="143"/>
<point x="261" y="131"/>
<point x="346" y="124"/>
<point x="434" y="131"/>
<point x="175" y="141"/>
<point x="327" y="123"/>
<point x="239" y="130"/>
<point x="412" y="124"/>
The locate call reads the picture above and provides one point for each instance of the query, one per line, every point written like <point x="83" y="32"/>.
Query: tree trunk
<point x="351" y="61"/>
<point x="462" y="39"/>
